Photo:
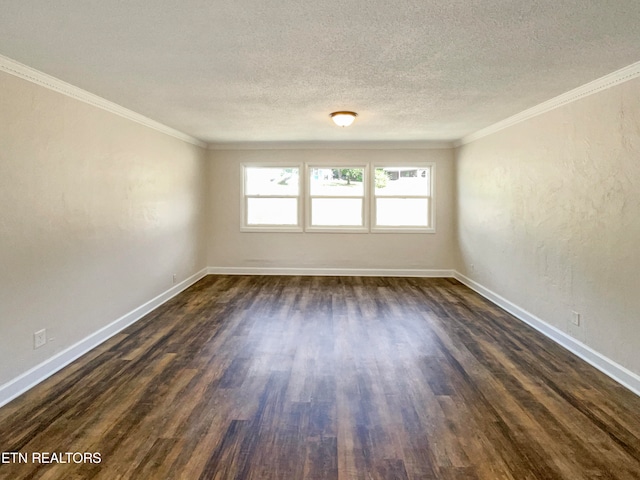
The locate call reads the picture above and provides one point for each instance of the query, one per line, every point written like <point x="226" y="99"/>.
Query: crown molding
<point x="20" y="70"/>
<point x="619" y="76"/>
<point x="25" y="72"/>
<point x="329" y="145"/>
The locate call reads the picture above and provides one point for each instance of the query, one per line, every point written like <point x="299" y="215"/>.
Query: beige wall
<point x="228" y="247"/>
<point x="549" y="218"/>
<point x="97" y="214"/>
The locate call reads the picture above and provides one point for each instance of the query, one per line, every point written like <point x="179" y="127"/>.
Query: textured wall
<point x="549" y="218"/>
<point x="96" y="214"/>
<point x="228" y="247"/>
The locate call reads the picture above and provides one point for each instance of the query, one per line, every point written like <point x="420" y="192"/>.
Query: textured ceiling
<point x="256" y="70"/>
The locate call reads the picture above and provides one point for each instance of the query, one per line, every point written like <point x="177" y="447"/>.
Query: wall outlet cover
<point x="39" y="338"/>
<point x="575" y="318"/>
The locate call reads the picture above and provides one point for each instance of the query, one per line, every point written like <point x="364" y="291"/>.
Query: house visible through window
<point x="402" y="198"/>
<point x="339" y="198"/>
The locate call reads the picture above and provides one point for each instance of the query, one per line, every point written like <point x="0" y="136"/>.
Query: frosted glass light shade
<point x="343" y="119"/>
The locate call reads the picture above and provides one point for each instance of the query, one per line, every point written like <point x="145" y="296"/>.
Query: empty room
<point x="320" y="240"/>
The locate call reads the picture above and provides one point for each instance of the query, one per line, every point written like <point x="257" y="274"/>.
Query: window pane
<point x="402" y="212"/>
<point x="271" y="181"/>
<point x="343" y="182"/>
<point x="272" y="211"/>
<point x="402" y="181"/>
<point x="336" y="212"/>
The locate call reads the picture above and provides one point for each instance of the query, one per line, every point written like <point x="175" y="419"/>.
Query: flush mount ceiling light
<point x="343" y="119"/>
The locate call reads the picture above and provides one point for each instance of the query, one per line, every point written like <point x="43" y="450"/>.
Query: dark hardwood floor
<point x="327" y="378"/>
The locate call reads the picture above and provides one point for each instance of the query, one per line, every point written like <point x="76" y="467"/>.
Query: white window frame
<point x="431" y="227"/>
<point x="244" y="227"/>
<point x="364" y="228"/>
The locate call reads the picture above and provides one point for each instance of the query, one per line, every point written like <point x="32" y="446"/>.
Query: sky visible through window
<point x="271" y="196"/>
<point x="336" y="196"/>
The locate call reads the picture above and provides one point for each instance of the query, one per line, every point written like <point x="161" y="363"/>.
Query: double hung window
<point x="359" y="198"/>
<point x="271" y="198"/>
<point x="336" y="198"/>
<point x="402" y="198"/>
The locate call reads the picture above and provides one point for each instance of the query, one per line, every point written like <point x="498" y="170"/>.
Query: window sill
<point x="402" y="230"/>
<point x="271" y="229"/>
<point x="336" y="230"/>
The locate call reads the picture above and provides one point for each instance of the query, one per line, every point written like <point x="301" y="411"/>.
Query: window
<point x="271" y="198"/>
<point x="359" y="198"/>
<point x="403" y="198"/>
<point x="336" y="199"/>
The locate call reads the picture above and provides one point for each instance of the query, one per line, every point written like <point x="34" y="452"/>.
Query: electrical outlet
<point x="39" y="338"/>
<point x="575" y="318"/>
<point x="175" y="278"/>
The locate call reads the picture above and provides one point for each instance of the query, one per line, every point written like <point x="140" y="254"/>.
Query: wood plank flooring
<point x="327" y="378"/>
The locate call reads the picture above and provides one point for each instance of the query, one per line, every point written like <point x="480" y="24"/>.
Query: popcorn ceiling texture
<point x="249" y="70"/>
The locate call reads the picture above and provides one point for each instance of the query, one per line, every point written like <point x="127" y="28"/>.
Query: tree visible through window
<point x="350" y="198"/>
<point x="336" y="197"/>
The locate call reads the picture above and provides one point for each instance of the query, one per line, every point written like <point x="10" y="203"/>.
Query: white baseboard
<point x="37" y="374"/>
<point x="617" y="372"/>
<point x="332" y="272"/>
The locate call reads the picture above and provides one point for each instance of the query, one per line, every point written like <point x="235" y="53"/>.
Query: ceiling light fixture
<point x="343" y="119"/>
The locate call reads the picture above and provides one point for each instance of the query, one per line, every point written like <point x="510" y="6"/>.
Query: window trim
<point x="244" y="227"/>
<point x="304" y="198"/>
<point x="364" y="228"/>
<point x="431" y="228"/>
